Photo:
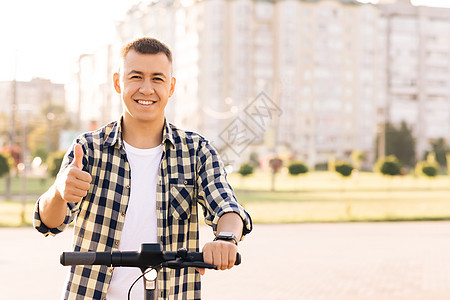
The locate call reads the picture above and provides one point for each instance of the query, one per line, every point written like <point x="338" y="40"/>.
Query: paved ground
<point x="305" y="261"/>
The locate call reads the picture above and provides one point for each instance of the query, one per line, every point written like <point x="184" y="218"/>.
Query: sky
<point x="44" y="38"/>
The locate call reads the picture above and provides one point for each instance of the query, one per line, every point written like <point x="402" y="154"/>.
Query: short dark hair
<point x="147" y="45"/>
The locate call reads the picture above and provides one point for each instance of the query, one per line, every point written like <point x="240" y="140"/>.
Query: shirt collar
<point x="168" y="134"/>
<point x="113" y="134"/>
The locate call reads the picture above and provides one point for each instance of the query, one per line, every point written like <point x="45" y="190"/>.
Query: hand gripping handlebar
<point x="149" y="256"/>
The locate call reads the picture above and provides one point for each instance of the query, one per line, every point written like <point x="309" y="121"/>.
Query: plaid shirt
<point x="190" y="172"/>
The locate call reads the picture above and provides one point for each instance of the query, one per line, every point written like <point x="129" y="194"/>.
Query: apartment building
<point x="305" y="57"/>
<point x="416" y="66"/>
<point x="328" y="74"/>
<point x="314" y="78"/>
<point x="24" y="105"/>
<point x="29" y="96"/>
<point x="91" y="99"/>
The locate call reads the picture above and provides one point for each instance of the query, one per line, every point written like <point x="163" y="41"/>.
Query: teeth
<point x="144" y="102"/>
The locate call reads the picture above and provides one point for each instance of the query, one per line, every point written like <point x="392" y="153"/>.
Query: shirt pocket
<point x="181" y="196"/>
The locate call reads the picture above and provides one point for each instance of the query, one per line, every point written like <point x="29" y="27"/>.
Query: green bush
<point x="297" y="167"/>
<point x="428" y="169"/>
<point x="389" y="165"/>
<point x="54" y="161"/>
<point x="6" y="162"/>
<point x="343" y="168"/>
<point x="246" y="170"/>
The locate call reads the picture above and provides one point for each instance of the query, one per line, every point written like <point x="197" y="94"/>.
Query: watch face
<point x="225" y="235"/>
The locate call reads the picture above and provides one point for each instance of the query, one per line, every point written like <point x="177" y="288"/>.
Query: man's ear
<point x="172" y="86"/>
<point x="116" y="80"/>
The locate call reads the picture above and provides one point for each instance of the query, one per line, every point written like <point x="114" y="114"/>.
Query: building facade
<point x="416" y="67"/>
<point x="91" y="97"/>
<point x="313" y="78"/>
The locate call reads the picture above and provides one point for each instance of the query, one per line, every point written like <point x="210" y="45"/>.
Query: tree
<point x="358" y="157"/>
<point x="275" y="165"/>
<point x="400" y="143"/>
<point x="6" y="162"/>
<point x="345" y="170"/>
<point x="54" y="162"/>
<point x="41" y="152"/>
<point x="447" y="156"/>
<point x="440" y="148"/>
<point x="297" y="167"/>
<point x="254" y="159"/>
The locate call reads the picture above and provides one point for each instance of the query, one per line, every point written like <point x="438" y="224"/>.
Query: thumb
<point x="78" y="156"/>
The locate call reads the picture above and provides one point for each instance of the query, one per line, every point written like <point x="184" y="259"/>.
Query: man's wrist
<point x="226" y="236"/>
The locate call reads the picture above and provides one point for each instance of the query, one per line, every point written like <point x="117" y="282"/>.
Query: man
<point x="139" y="180"/>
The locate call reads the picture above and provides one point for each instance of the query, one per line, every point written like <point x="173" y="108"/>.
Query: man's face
<point x="145" y="83"/>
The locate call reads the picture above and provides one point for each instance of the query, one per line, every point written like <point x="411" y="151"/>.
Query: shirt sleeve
<point x="72" y="208"/>
<point x="214" y="192"/>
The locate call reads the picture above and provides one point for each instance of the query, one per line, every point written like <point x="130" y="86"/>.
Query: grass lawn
<point x="33" y="185"/>
<point x="10" y="214"/>
<point x="314" y="197"/>
<point x="327" y="197"/>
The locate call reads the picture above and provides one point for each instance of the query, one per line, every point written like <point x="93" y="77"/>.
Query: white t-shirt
<point x="140" y="219"/>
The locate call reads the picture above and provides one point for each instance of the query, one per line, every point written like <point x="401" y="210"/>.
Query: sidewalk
<point x="302" y="261"/>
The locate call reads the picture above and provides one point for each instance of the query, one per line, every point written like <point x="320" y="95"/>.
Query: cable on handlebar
<point x="141" y="276"/>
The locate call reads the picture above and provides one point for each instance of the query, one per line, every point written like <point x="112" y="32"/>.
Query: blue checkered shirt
<point x="190" y="172"/>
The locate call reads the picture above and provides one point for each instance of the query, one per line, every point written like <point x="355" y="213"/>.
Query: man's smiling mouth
<point x="145" y="102"/>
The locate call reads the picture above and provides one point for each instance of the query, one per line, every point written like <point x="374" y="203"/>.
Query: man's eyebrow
<point x="142" y="73"/>
<point x="135" y="72"/>
<point x="159" y="74"/>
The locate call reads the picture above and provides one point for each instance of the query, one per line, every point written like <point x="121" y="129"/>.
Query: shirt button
<point x="185" y="182"/>
<point x="128" y="186"/>
<point x="117" y="243"/>
<point x="123" y="214"/>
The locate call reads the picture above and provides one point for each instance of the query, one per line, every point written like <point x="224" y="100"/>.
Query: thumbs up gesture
<point x="73" y="184"/>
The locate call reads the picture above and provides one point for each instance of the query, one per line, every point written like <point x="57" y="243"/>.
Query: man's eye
<point x="135" y="77"/>
<point x="158" y="79"/>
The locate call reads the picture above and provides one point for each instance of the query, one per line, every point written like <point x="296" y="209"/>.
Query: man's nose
<point x="146" y="87"/>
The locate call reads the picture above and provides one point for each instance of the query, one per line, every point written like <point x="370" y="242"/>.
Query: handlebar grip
<point x="238" y="259"/>
<point x="85" y="258"/>
<point x="198" y="256"/>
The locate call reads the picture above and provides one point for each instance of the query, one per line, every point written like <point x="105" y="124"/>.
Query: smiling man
<point x="139" y="180"/>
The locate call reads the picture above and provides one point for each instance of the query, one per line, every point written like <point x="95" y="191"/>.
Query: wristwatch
<point x="227" y="236"/>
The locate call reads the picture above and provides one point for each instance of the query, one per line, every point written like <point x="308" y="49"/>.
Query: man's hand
<point x="73" y="184"/>
<point x="219" y="253"/>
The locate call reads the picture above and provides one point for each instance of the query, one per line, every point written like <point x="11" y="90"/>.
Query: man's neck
<point x="142" y="135"/>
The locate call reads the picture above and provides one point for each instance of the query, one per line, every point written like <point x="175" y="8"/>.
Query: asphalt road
<point x="301" y="261"/>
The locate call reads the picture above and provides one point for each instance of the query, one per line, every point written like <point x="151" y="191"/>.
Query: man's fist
<point x="219" y="253"/>
<point x="73" y="184"/>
